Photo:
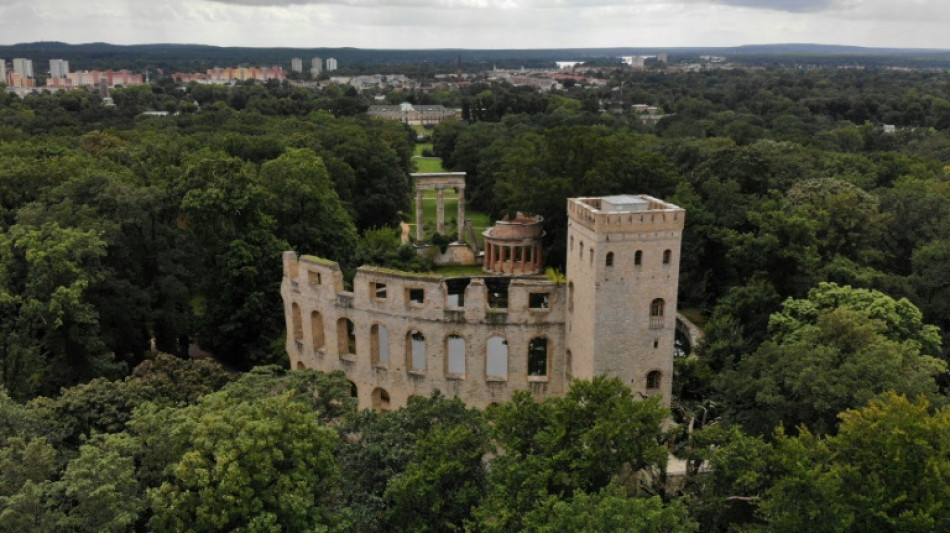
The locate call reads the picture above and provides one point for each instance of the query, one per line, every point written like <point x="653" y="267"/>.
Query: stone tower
<point x="623" y="267"/>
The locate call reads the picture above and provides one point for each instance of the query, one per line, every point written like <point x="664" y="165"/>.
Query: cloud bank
<point x="479" y="23"/>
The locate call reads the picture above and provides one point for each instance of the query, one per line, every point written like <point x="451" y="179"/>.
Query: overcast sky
<point x="479" y="23"/>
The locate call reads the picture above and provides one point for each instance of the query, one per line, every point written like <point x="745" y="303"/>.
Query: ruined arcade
<point x="399" y="334"/>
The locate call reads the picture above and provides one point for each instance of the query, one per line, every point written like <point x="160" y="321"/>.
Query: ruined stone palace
<point x="480" y="338"/>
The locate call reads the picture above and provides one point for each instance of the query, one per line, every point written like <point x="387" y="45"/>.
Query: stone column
<point x="461" y="217"/>
<point x="486" y="263"/>
<point x="511" y="259"/>
<point x="538" y="253"/>
<point x="440" y="211"/>
<point x="420" y="234"/>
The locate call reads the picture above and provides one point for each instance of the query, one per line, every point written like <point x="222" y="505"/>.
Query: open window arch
<point x="455" y="366"/>
<point x="346" y="336"/>
<point x="667" y="256"/>
<point x="415" y="351"/>
<point x="638" y="258"/>
<point x="656" y="308"/>
<point x="496" y="358"/>
<point x="380" y="399"/>
<point x="609" y="259"/>
<point x="654" y="379"/>
<point x="379" y="345"/>
<point x="316" y="330"/>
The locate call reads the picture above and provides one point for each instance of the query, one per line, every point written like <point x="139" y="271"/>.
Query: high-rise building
<point x="58" y="68"/>
<point x="296" y="64"/>
<point x="331" y="64"/>
<point x="316" y="66"/>
<point x="23" y="67"/>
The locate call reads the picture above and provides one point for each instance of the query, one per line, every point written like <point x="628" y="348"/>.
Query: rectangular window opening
<point x="455" y="289"/>
<point x="539" y="300"/>
<point x="417" y="296"/>
<point x="314" y="278"/>
<point x="497" y="292"/>
<point x="378" y="290"/>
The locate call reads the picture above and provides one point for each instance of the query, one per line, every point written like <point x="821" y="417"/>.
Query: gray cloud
<point x="373" y="3"/>
<point x="791" y="6"/>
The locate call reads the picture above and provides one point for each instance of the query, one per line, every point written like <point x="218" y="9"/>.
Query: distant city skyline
<point x="481" y="24"/>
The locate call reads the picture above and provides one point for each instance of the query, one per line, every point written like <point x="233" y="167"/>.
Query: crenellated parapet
<point x="630" y="214"/>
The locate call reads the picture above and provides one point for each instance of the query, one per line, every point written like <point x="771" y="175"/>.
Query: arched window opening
<point x="656" y="308"/>
<point x="379" y="345"/>
<point x="354" y="392"/>
<point x="300" y="365"/>
<point x="582" y="250"/>
<point x="416" y="344"/>
<point x="653" y="379"/>
<point x="570" y="296"/>
<point x="346" y="336"/>
<point x="496" y="360"/>
<point x="610" y="259"/>
<point x="380" y="399"/>
<point x="638" y="258"/>
<point x="455" y="348"/>
<point x="297" y="322"/>
<point x="667" y="255"/>
<point x="316" y="330"/>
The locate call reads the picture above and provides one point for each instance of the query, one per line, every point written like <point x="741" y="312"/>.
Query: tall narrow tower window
<point x="638" y="258"/>
<point x="656" y="308"/>
<point x="610" y="259"/>
<point x="666" y="257"/>
<point x="653" y="379"/>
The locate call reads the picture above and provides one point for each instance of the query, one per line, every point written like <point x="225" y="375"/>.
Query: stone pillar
<point x="511" y="259"/>
<point x="461" y="217"/>
<point x="420" y="234"/>
<point x="486" y="264"/>
<point x="440" y="211"/>
<point x="538" y="261"/>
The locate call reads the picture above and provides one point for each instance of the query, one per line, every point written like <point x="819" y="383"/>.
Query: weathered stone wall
<point x="615" y="315"/>
<point x="612" y="326"/>
<point x="435" y="318"/>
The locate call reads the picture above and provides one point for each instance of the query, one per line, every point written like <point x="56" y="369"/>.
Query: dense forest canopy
<point x="817" y="246"/>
